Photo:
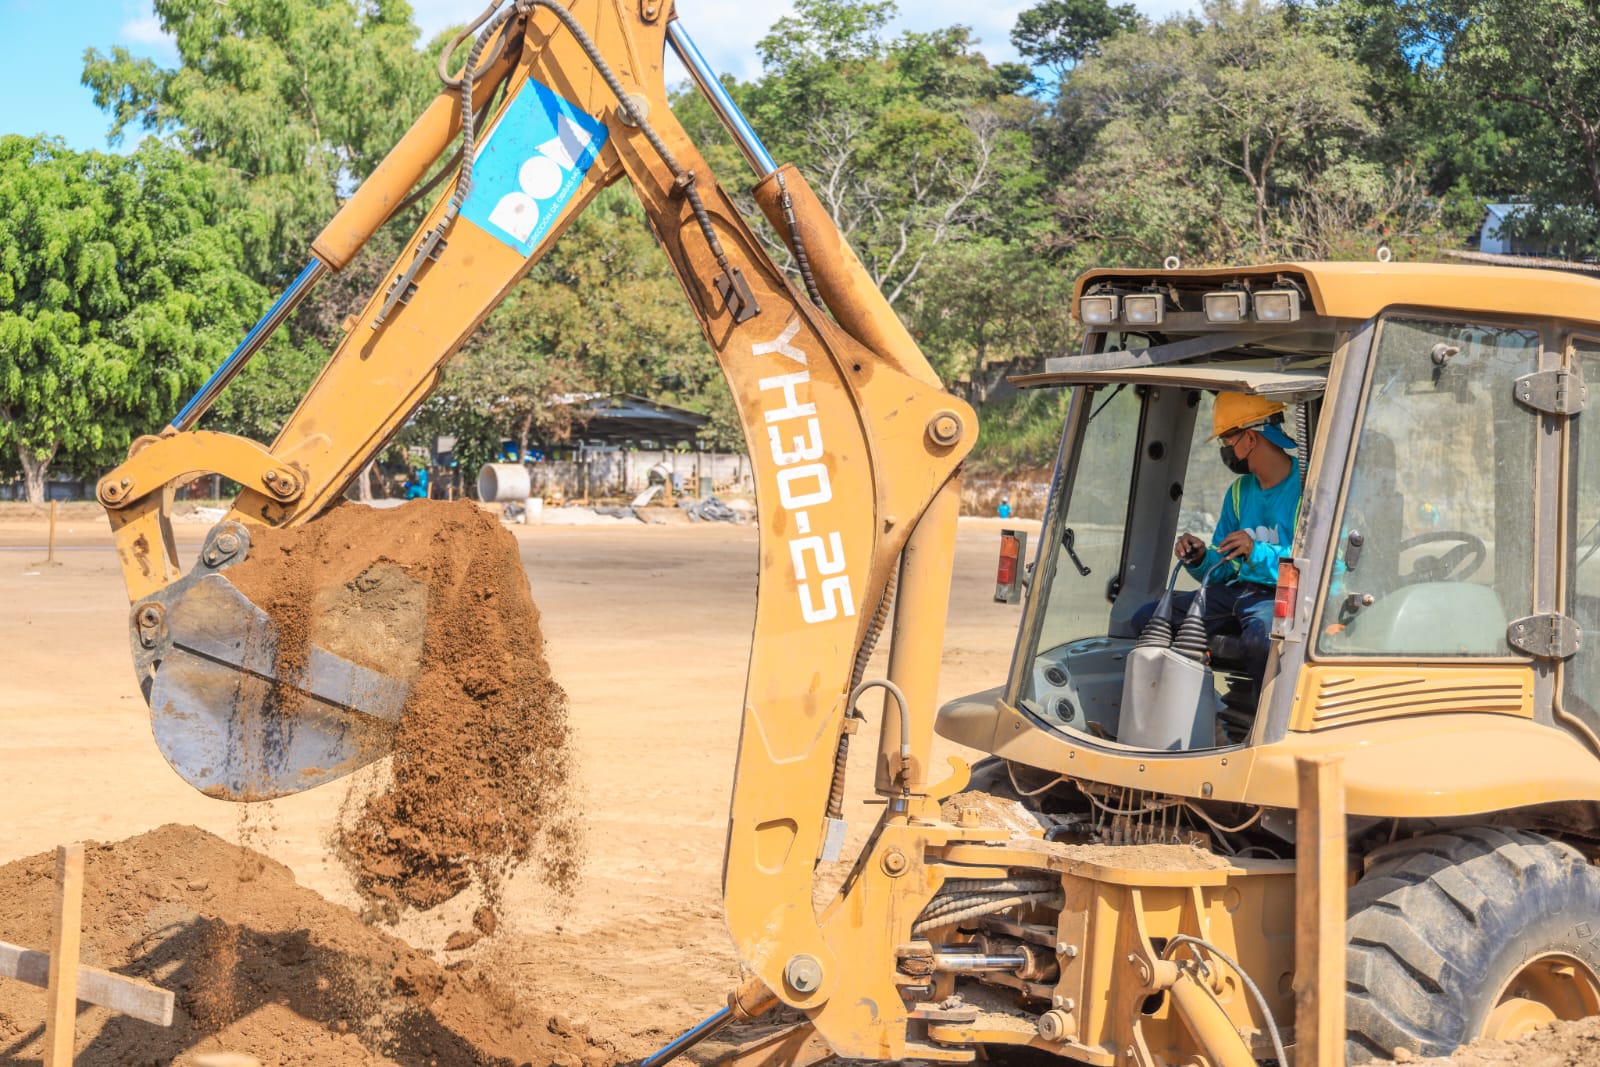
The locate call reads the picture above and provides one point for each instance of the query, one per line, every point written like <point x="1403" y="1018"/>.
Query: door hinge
<point x="1549" y="636"/>
<point x="1555" y="392"/>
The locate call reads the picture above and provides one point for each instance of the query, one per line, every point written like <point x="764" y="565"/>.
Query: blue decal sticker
<point x="529" y="166"/>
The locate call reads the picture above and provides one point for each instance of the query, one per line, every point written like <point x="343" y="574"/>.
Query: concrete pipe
<point x="499" y="482"/>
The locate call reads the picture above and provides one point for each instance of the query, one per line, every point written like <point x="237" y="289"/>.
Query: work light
<point x="1144" y="309"/>
<point x="1277" y="305"/>
<point x="1097" y="310"/>
<point x="1230" y="305"/>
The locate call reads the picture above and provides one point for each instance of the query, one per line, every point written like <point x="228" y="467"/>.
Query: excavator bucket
<point x="247" y="707"/>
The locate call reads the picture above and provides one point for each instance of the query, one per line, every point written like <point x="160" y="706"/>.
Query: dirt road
<point x="648" y="630"/>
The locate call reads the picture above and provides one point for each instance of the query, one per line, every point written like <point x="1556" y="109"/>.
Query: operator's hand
<point x="1236" y="545"/>
<point x="1189" y="548"/>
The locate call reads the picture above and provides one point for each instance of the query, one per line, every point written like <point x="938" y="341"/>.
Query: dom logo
<point x="530" y="165"/>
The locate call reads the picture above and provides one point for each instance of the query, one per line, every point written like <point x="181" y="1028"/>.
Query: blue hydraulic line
<point x="201" y="402"/>
<point x="716" y="95"/>
<point x="678" y="1045"/>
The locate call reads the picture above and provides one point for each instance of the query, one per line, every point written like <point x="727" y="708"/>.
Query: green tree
<point x="990" y="302"/>
<point x="910" y="142"/>
<point x="1490" y="100"/>
<point x="1206" y="131"/>
<point x="1541" y="59"/>
<point x="118" y="293"/>
<point x="298" y="98"/>
<point x="1059" y="34"/>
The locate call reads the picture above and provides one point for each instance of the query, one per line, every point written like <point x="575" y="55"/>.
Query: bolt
<point x="149" y="616"/>
<point x="270" y="476"/>
<point x="1205" y="789"/>
<point x="803" y="973"/>
<point x="126" y="482"/>
<point x="894" y="863"/>
<point x="1064" y="1003"/>
<point x="1056" y="1025"/>
<point x="944" y="429"/>
<point x="212" y="557"/>
<point x="227" y="543"/>
<point x="1145" y="971"/>
<point x="1064" y="949"/>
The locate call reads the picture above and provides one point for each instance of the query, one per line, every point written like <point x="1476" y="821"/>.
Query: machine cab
<point x="1437" y="565"/>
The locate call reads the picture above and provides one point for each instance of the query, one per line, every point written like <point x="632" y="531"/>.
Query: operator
<point x="1255" y="531"/>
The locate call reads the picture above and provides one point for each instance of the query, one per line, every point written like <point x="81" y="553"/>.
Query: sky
<point x="41" y="92"/>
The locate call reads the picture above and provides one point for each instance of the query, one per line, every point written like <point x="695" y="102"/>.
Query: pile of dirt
<point x="1575" y="1044"/>
<point x="481" y="777"/>
<point x="261" y="967"/>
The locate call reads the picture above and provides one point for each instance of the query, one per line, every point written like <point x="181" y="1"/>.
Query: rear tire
<point x="1478" y="931"/>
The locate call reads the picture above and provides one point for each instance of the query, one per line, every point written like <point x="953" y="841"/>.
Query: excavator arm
<point x="854" y="447"/>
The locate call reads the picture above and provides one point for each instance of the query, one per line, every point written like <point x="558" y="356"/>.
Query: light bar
<point x="1230" y="305"/>
<point x="1277" y="305"/>
<point x="1144" y="309"/>
<point x="1097" y="310"/>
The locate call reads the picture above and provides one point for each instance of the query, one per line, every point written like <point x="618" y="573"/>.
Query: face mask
<point x="1233" y="462"/>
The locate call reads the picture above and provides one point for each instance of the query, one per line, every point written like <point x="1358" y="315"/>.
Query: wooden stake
<point x="61" y="1007"/>
<point x="1320" y="880"/>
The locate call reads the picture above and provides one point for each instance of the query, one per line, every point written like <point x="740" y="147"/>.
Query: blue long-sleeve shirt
<point x="1268" y="515"/>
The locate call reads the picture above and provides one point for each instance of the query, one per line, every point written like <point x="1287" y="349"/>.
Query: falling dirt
<point x="267" y="969"/>
<point x="433" y="593"/>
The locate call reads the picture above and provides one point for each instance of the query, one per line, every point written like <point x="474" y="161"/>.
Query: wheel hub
<point x="1547" y="989"/>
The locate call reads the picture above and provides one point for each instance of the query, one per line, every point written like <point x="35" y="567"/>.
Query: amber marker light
<point x="1288" y="590"/>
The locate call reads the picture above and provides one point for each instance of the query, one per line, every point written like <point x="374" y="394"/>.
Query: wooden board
<point x="124" y="995"/>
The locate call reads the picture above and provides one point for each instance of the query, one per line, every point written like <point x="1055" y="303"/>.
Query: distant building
<point x="1493" y="238"/>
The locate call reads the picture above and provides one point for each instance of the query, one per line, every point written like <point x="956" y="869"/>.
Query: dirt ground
<point x="648" y="629"/>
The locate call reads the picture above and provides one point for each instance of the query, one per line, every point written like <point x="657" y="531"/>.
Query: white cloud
<point x="141" y="32"/>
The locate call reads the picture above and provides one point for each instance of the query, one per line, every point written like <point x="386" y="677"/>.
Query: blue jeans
<point x="1235" y="608"/>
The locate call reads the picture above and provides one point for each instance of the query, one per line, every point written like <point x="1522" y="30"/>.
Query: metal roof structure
<point x="626" y="419"/>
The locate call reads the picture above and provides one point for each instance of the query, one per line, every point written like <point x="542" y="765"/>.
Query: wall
<point x="626" y="474"/>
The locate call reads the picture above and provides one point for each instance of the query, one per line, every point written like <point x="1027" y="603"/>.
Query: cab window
<point x="1090" y="547"/>
<point x="1435" y="540"/>
<point x="1580" y="675"/>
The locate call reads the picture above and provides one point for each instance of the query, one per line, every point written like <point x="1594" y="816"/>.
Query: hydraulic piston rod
<point x="689" y="1038"/>
<point x="230" y="368"/>
<point x="973" y="962"/>
<point x="755" y="153"/>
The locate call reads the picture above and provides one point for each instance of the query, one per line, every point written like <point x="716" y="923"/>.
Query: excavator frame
<point x="1126" y="954"/>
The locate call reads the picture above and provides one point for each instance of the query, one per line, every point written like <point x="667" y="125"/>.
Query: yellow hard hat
<point x="1237" y="411"/>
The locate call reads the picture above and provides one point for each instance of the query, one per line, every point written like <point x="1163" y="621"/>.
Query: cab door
<point x="1577" y="702"/>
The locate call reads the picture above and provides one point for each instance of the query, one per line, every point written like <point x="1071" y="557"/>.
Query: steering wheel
<point x="1455" y="565"/>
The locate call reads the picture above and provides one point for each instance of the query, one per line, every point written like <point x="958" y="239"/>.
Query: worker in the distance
<point x="1004" y="510"/>
<point x="1255" y="531"/>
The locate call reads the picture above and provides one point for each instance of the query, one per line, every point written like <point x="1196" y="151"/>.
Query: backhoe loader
<point x="1114" y="884"/>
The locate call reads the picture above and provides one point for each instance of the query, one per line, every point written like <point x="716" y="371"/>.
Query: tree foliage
<point x="297" y="97"/>
<point x="118" y="293"/>
<point x="1059" y="34"/>
<point x="1236" y="134"/>
<point x="972" y="191"/>
<point x="911" y="142"/>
